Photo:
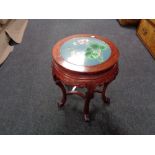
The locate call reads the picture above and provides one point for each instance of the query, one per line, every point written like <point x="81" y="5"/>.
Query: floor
<point x="28" y="94"/>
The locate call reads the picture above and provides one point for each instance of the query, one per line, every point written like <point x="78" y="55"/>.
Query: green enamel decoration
<point x="94" y="51"/>
<point x="85" y="51"/>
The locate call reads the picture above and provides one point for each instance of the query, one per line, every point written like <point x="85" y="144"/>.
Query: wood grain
<point x="146" y="32"/>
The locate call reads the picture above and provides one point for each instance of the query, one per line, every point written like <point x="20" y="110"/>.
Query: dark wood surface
<point x="89" y="77"/>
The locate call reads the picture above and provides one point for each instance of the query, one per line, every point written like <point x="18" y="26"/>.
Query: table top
<point x="85" y="53"/>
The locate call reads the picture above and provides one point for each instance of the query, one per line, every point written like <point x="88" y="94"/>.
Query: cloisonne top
<point x="85" y="51"/>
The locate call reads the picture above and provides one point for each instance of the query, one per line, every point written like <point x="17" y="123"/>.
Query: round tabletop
<point x="85" y="53"/>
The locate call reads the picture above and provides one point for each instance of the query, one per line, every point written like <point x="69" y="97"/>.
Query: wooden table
<point x="85" y="61"/>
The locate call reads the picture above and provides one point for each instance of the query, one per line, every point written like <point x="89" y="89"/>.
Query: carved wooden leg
<point x="104" y="98"/>
<point x="64" y="96"/>
<point x="88" y="97"/>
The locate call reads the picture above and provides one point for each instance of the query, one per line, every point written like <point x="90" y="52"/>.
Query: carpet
<point x="28" y="94"/>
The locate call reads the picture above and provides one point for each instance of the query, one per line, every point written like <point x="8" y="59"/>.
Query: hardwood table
<point x="84" y="61"/>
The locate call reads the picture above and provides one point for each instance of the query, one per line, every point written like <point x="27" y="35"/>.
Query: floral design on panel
<point x="94" y="51"/>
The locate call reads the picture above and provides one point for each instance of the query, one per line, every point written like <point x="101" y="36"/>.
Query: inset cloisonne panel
<point x="85" y="51"/>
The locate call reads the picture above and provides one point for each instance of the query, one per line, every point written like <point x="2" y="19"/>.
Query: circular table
<point x="84" y="61"/>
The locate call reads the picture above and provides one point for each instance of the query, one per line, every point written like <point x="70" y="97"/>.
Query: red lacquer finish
<point x="90" y="77"/>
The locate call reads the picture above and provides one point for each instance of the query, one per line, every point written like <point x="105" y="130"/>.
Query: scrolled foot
<point x="60" y="105"/>
<point x="86" y="117"/>
<point x="106" y="100"/>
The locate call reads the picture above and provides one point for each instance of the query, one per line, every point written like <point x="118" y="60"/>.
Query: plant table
<point x="84" y="61"/>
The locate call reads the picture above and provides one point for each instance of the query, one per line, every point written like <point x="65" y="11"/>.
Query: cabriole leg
<point x="64" y="96"/>
<point x="104" y="98"/>
<point x="88" y="97"/>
